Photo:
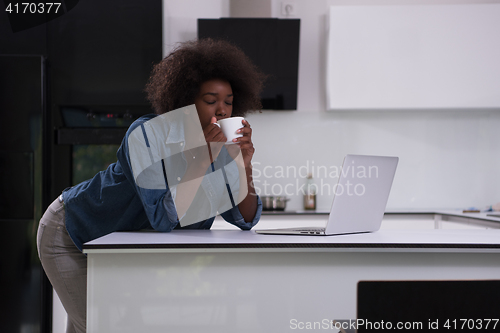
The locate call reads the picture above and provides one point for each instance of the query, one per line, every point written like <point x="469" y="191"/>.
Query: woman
<point x="221" y="82"/>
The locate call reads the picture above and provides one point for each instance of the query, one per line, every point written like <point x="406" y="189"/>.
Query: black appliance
<point x="428" y="305"/>
<point x="272" y="44"/>
<point x="23" y="147"/>
<point x="101" y="56"/>
<point x="96" y="57"/>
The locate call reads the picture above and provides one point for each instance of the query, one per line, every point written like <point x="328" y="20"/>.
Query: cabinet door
<point x="21" y="181"/>
<point x="414" y="57"/>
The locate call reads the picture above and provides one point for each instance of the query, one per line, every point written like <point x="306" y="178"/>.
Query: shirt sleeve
<point x="234" y="217"/>
<point x="147" y="172"/>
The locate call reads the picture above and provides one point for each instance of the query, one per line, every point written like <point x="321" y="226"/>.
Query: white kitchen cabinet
<point x="430" y="56"/>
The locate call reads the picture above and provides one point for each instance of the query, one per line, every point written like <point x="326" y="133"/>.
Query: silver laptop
<point x="361" y="195"/>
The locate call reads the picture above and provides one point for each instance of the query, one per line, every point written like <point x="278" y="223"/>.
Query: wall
<point x="448" y="159"/>
<point x="180" y="19"/>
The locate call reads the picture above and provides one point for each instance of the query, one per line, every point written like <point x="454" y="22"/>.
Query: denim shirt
<point x="112" y="201"/>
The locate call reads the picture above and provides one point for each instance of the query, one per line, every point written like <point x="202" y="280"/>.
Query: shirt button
<point x="182" y="144"/>
<point x="179" y="179"/>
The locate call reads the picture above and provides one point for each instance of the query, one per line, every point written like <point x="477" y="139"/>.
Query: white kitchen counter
<point x="248" y="241"/>
<point x="408" y="213"/>
<point x="405" y="219"/>
<point x="239" y="281"/>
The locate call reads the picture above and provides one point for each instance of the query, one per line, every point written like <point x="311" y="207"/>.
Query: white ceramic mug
<point x="229" y="126"/>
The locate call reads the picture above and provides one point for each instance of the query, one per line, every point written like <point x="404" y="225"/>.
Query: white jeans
<point x="64" y="264"/>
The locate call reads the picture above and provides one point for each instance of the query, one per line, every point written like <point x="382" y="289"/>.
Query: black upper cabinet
<point x="272" y="44"/>
<point x="102" y="52"/>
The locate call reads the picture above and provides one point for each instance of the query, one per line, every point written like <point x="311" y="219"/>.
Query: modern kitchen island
<point x="240" y="281"/>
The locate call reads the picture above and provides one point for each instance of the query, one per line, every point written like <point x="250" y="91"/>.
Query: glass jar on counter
<point x="310" y="194"/>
